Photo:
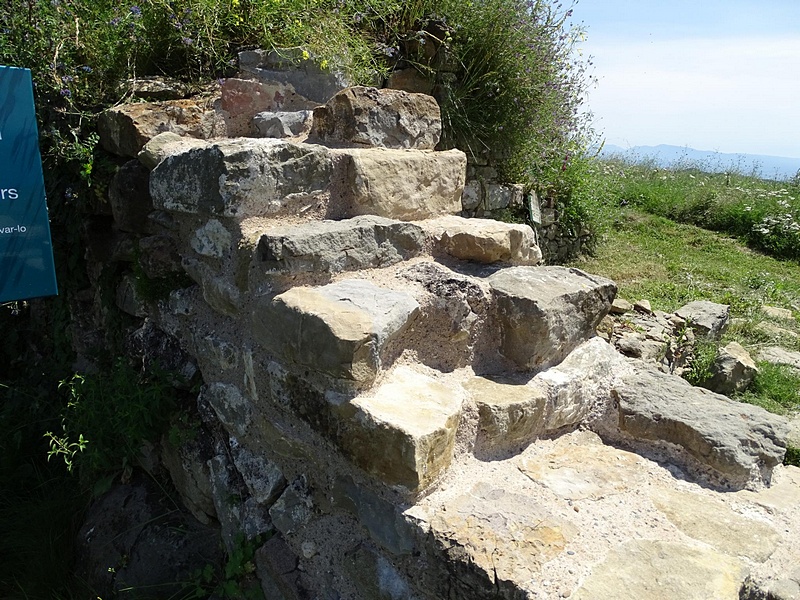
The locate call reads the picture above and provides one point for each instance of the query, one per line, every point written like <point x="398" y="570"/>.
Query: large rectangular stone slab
<point x="546" y="312"/>
<point x="334" y="246"/>
<point x="484" y="240"/>
<point x="404" y="431"/>
<point x="742" y="442"/>
<point x="401" y="184"/>
<point x="339" y="329"/>
<point x="240" y="177"/>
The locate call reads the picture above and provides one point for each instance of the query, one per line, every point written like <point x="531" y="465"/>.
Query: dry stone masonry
<point x="402" y="398"/>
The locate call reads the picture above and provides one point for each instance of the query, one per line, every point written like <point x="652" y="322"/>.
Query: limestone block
<point x="219" y="293"/>
<point x="579" y="383"/>
<point x="294" y="508"/>
<point x="339" y="329"/>
<point x="774" y="312"/>
<point x="498" y="196"/>
<point x="620" y="306"/>
<point x="263" y="478"/>
<point x="125" y="129"/>
<point x="581" y="467"/>
<point x="472" y="195"/>
<point x="189" y="472"/>
<point x="732" y="371"/>
<point x="716" y="524"/>
<point x="774" y="331"/>
<point x="484" y="240"/>
<point x="546" y="312"/>
<point x="659" y="570"/>
<point x="740" y="441"/>
<point x="510" y="415"/>
<point x="780" y="356"/>
<point x="240" y="177"/>
<point x="163" y="145"/>
<point x="282" y="124"/>
<point x="242" y="99"/>
<point x="154" y="88"/>
<point x="335" y="246"/>
<point x="129" y="197"/>
<point x="404" y="431"/>
<point x="276" y="566"/>
<point x="158" y="256"/>
<point x="233" y="409"/>
<point x="212" y="239"/>
<point x="128" y="298"/>
<point x="383" y="118"/>
<point x="403" y="184"/>
<point x="707" y="318"/>
<point x="500" y="534"/>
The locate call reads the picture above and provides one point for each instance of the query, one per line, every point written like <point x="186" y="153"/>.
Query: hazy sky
<point x="720" y="75"/>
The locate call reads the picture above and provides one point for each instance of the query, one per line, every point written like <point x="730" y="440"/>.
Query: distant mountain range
<point x="770" y="167"/>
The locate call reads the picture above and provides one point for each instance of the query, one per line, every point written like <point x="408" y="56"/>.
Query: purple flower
<point x="65" y="92"/>
<point x="187" y="41"/>
<point x="136" y="11"/>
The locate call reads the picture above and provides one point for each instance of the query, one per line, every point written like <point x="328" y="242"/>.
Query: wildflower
<point x="187" y="41"/>
<point x="306" y="55"/>
<point x="65" y="92"/>
<point x="136" y="11"/>
<point x="323" y="64"/>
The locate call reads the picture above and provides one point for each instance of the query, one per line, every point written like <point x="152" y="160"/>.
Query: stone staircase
<point x="419" y="411"/>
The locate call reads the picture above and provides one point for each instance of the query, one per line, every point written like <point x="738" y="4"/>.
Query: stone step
<point x="247" y="177"/>
<point x="331" y="247"/>
<point x="513" y="415"/>
<point x="368" y="242"/>
<point x="544" y="313"/>
<point x="740" y="442"/>
<point x="573" y="517"/>
<point x="340" y="330"/>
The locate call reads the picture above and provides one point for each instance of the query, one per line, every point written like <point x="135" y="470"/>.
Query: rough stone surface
<point x="403" y="184"/>
<point x="776" y="332"/>
<point x="212" y="239"/>
<point x="740" y="441"/>
<point x="129" y="197"/>
<point x="282" y="124"/>
<point x="620" y="306"/>
<point x="188" y="469"/>
<point x="664" y="571"/>
<point x="410" y="80"/>
<point x="220" y="293"/>
<point x="276" y="566"/>
<point x="383" y="118"/>
<point x="263" y="478"/>
<point x="154" y="88"/>
<point x="163" y="145"/>
<point x="546" y="312"/>
<point x="125" y="129"/>
<point x="158" y="256"/>
<point x="780" y="356"/>
<point x="335" y="246"/>
<point x="484" y="240"/>
<point x="406" y="429"/>
<point x="498" y="535"/>
<point x="717" y="525"/>
<point x="777" y="313"/>
<point x="472" y="196"/>
<point x="129" y="299"/>
<point x="161" y="350"/>
<point x="240" y="177"/>
<point x="581" y="467"/>
<point x="707" y="318"/>
<point x="293" y="509"/>
<point x="234" y="411"/>
<point x="339" y="329"/>
<point x="732" y="371"/>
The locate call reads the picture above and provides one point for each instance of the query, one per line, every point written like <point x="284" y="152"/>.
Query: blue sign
<point x="26" y="252"/>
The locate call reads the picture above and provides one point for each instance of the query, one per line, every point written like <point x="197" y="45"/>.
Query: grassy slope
<point x="671" y="264"/>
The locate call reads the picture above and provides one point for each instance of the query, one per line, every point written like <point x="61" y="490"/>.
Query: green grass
<point x="669" y="264"/>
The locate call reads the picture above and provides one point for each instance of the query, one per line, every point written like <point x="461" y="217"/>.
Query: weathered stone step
<point x="576" y="518"/>
<point x="339" y="330"/>
<point x="367" y="242"/>
<point x="335" y="246"/>
<point x="513" y="415"/>
<point x="742" y="443"/>
<point x="246" y="177"/>
<point x="545" y="312"/>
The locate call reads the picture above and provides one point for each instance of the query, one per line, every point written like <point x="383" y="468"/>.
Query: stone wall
<point x="377" y="373"/>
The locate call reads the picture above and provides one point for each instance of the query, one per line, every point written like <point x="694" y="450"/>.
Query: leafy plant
<point x="107" y="418"/>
